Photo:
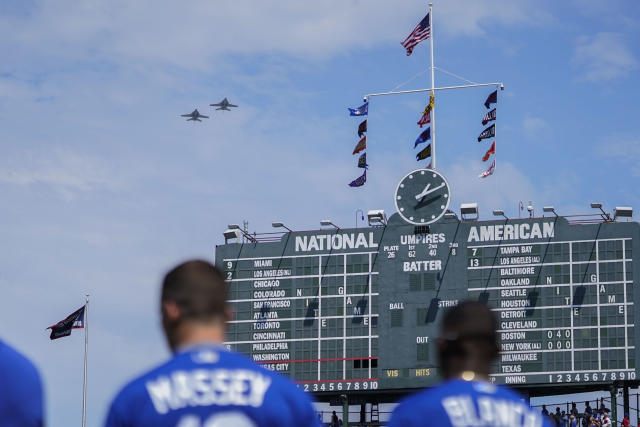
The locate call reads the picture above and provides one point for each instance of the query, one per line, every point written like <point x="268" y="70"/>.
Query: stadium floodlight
<point x="232" y="233"/>
<point x="605" y="215"/>
<point x="623" y="212"/>
<point x="550" y="209"/>
<point x="450" y="214"/>
<point x="327" y="222"/>
<point x="280" y="225"/>
<point x="499" y="212"/>
<point x="233" y="227"/>
<point x="377" y="217"/>
<point x="469" y="211"/>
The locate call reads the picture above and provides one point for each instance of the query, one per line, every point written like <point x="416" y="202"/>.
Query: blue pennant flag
<point x="359" y="182"/>
<point x="362" y="110"/>
<point x="424" y="136"/>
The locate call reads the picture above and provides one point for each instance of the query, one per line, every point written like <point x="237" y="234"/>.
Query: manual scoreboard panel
<point x="358" y="309"/>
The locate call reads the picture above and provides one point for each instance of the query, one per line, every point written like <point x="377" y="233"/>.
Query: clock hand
<point x="434" y="189"/>
<point x="424" y="192"/>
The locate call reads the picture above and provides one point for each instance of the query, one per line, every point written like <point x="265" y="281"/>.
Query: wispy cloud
<point x="534" y="127"/>
<point x="603" y="56"/>
<point x="623" y="149"/>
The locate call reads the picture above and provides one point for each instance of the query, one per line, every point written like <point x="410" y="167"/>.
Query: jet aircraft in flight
<point x="223" y="105"/>
<point x="194" y="116"/>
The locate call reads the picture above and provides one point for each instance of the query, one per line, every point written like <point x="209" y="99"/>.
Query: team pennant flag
<point x="489" y="152"/>
<point x="361" y="145"/>
<point x="63" y="328"/>
<point x="362" y="128"/>
<point x="424" y="136"/>
<point x="362" y="110"/>
<point x="429" y="165"/>
<point x="359" y="182"/>
<point x="362" y="161"/>
<point x="421" y="32"/>
<point x="489" y="132"/>
<point x="491" y="99"/>
<point x="424" y="153"/>
<point x="489" y="171"/>
<point x="425" y="119"/>
<point x="489" y="117"/>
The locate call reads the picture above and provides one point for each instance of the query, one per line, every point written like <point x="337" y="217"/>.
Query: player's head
<point x="193" y="301"/>
<point x="468" y="340"/>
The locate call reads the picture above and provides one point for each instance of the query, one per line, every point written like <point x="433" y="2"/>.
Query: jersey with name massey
<point x="208" y="386"/>
<point x="459" y="403"/>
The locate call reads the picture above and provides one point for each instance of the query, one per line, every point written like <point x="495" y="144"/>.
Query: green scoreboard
<point x="357" y="310"/>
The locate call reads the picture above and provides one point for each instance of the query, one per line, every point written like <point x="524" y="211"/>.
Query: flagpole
<point x="86" y="348"/>
<point x="433" y="85"/>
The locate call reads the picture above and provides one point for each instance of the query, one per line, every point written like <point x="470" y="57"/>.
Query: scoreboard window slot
<point x="629" y="272"/>
<point x="358" y="263"/>
<point x="612" y="337"/>
<point x="609" y="250"/>
<point x="585" y="273"/>
<point x="584" y="251"/>
<point x="333" y="328"/>
<point x="429" y="281"/>
<point x="630" y="314"/>
<point x="333" y="264"/>
<point x="557" y="361"/>
<point x="357" y="329"/>
<point x="613" y="359"/>
<point x="587" y="316"/>
<point x="423" y="352"/>
<point x="396" y="318"/>
<point x="632" y="358"/>
<point x="610" y="315"/>
<point x="414" y="282"/>
<point x="627" y="252"/>
<point x="586" y="360"/>
<point x="357" y="284"/>
<point x="611" y="271"/>
<point x="585" y="338"/>
<point x="306" y="266"/>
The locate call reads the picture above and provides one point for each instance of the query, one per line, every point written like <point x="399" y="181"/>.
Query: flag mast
<point x="433" y="85"/>
<point x="86" y="348"/>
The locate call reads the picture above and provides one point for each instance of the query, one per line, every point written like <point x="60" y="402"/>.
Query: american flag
<point x="421" y="32"/>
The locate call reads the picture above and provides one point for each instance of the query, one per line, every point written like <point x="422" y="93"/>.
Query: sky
<point x="104" y="187"/>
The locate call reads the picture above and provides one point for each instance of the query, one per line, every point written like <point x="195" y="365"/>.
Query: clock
<point x="422" y="196"/>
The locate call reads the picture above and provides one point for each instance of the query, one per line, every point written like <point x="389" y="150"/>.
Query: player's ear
<point x="170" y="310"/>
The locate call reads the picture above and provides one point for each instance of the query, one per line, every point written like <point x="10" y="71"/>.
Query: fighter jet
<point x="224" y="104"/>
<point x="194" y="116"/>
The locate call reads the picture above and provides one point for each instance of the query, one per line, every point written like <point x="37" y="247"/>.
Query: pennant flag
<point x="362" y="161"/>
<point x="421" y="32"/>
<point x="63" y="328"/>
<point x="489" y="171"/>
<point x="491" y="99"/>
<point x="489" y="132"/>
<point x="489" y="152"/>
<point x="362" y="110"/>
<point x="359" y="182"/>
<point x="432" y="101"/>
<point x="361" y="145"/>
<point x="424" y="136"/>
<point x="362" y="128"/>
<point x="426" y="117"/>
<point x="429" y="165"/>
<point x="424" y="153"/>
<point x="489" y="117"/>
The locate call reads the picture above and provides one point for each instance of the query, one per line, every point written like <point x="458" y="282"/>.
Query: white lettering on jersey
<point x="202" y="387"/>
<point x="491" y="412"/>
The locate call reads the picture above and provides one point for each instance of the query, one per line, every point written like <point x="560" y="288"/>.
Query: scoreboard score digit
<point x="357" y="310"/>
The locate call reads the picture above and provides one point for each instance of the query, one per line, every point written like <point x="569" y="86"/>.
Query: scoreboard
<point x="358" y="310"/>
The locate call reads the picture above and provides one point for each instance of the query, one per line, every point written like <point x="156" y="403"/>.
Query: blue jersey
<point x="459" y="403"/>
<point x="21" y="402"/>
<point x="208" y="386"/>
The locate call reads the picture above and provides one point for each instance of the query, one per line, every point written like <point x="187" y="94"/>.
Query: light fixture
<point x="280" y="225"/>
<point x="232" y="233"/>
<point x="377" y="217"/>
<point x="327" y="222"/>
<point x="623" y="212"/>
<point x="499" y="212"/>
<point x="450" y="214"/>
<point x="233" y="227"/>
<point x="550" y="209"/>
<point x="469" y="211"/>
<point x="604" y="215"/>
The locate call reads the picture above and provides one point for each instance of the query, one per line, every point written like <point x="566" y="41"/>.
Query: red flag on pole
<point x="489" y="152"/>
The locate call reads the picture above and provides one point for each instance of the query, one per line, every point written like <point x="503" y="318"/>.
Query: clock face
<point x="422" y="196"/>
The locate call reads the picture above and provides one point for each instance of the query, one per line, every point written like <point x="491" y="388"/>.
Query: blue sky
<point x="104" y="187"/>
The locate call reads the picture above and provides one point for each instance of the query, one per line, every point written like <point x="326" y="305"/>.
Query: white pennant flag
<point x="488" y="171"/>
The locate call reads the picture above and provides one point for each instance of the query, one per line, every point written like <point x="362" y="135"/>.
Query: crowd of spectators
<point x="587" y="418"/>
